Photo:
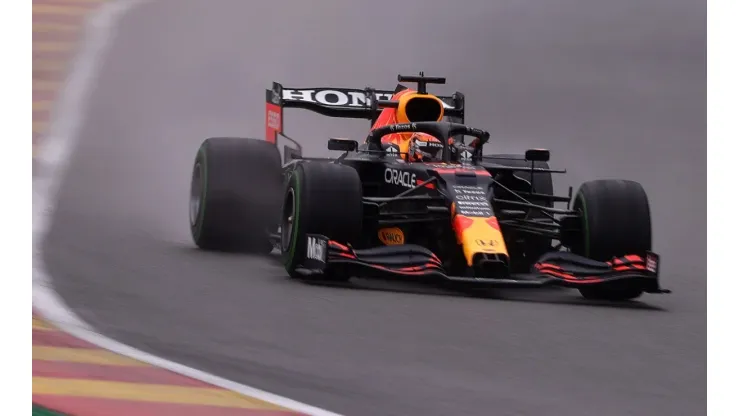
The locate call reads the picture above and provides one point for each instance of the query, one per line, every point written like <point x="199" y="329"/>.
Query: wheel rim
<point x="286" y="225"/>
<point x="196" y="193"/>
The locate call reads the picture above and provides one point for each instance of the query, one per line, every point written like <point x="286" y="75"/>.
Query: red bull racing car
<point x="418" y="199"/>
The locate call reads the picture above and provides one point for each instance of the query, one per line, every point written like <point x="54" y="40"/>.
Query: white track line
<point x="53" y="160"/>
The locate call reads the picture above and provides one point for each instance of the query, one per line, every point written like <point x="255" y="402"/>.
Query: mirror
<point x="343" y="145"/>
<point x="537" y="155"/>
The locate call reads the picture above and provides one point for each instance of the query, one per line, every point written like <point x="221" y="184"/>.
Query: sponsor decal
<point x="471" y="197"/>
<point x="273" y="119"/>
<point x="400" y="178"/>
<point x="486" y="243"/>
<point x="651" y="263"/>
<point x="474" y="212"/>
<point x="469" y="193"/>
<point x="471" y="201"/>
<point x="465" y="155"/>
<point x="478" y="203"/>
<point x="466" y="189"/>
<point x="402" y="127"/>
<point x="391" y="236"/>
<point x="316" y="249"/>
<point x="336" y="96"/>
<point x="426" y="142"/>
<point x="273" y="122"/>
<point x="429" y="143"/>
<point x="392" y="150"/>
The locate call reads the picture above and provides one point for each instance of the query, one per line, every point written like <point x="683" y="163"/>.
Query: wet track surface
<point x="615" y="89"/>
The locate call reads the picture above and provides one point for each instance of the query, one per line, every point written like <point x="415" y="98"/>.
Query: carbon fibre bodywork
<point x="557" y="268"/>
<point x="464" y="218"/>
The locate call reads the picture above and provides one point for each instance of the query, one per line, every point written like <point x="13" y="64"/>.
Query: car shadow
<point x="551" y="295"/>
<point x="547" y="295"/>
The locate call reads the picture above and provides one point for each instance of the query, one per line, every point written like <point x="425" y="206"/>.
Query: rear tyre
<point x="531" y="247"/>
<point x="235" y="195"/>
<point x="321" y="198"/>
<point x="615" y="222"/>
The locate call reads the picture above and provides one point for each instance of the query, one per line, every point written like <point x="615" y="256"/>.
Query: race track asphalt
<point x="614" y="88"/>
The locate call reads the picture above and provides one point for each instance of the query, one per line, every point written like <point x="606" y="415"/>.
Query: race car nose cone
<point x="492" y="266"/>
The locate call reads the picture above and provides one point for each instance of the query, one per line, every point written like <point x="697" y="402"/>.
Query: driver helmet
<point x="424" y="148"/>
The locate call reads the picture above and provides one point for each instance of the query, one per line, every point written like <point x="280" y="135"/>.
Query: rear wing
<point x="342" y="103"/>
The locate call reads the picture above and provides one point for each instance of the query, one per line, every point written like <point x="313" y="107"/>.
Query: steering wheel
<point x="441" y="130"/>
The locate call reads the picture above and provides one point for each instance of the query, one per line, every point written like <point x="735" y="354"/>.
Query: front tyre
<point x="615" y="221"/>
<point x="321" y="198"/>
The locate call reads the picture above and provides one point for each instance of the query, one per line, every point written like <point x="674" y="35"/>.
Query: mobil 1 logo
<point x="315" y="252"/>
<point x="472" y="201"/>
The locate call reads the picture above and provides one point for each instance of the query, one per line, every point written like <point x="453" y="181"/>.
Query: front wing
<point x="409" y="260"/>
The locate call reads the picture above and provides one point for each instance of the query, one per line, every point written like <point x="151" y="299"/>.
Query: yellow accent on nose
<point x="481" y="237"/>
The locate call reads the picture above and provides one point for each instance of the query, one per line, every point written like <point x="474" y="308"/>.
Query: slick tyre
<point x="615" y="221"/>
<point x="321" y="198"/>
<point x="235" y="195"/>
<point x="532" y="247"/>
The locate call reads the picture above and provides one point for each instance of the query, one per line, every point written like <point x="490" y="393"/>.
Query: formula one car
<point x="416" y="200"/>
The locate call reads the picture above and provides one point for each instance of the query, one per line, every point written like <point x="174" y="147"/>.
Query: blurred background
<point x="616" y="89"/>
